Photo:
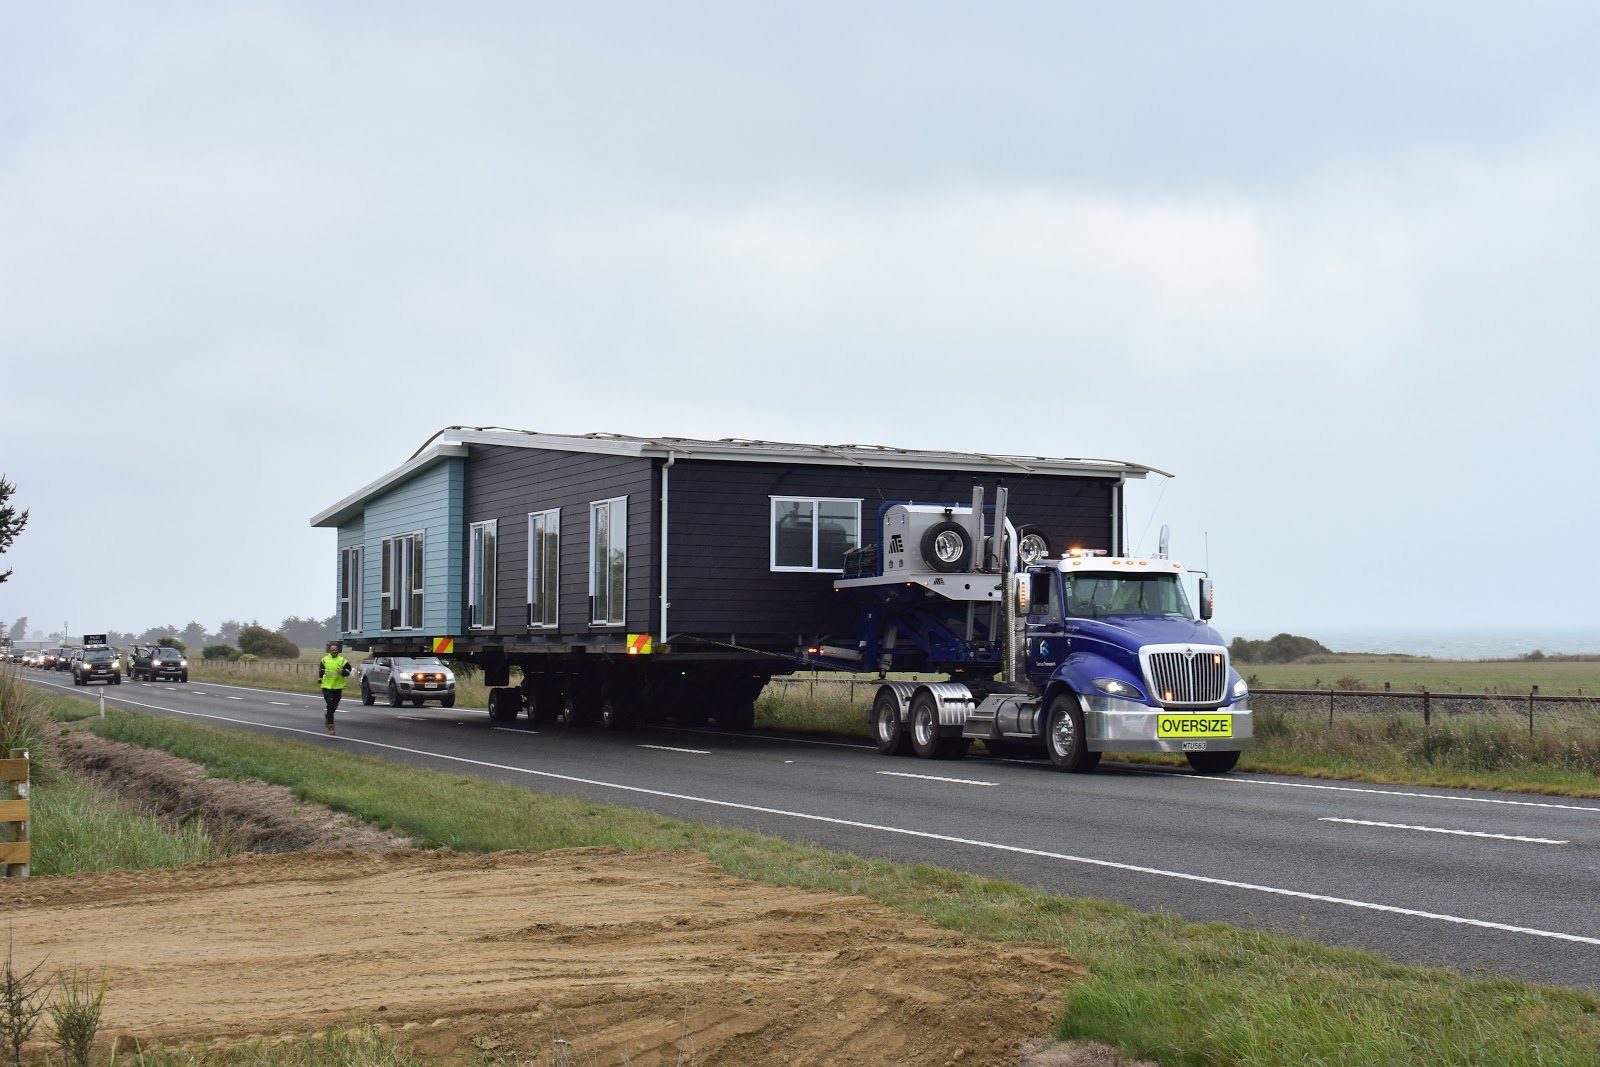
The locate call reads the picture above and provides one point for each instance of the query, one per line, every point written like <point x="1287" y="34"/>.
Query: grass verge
<point x="78" y="827"/>
<point x="1158" y="987"/>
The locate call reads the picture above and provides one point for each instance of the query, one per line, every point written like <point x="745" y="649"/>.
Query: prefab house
<point x="622" y="574"/>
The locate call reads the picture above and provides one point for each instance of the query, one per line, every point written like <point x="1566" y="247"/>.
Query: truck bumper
<point x="1135" y="730"/>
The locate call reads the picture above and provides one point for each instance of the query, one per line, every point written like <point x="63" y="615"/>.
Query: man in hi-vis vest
<point x="334" y="670"/>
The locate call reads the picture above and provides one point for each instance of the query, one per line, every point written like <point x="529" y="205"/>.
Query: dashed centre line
<point x="669" y="748"/>
<point x="936" y="778"/>
<point x="1441" y="830"/>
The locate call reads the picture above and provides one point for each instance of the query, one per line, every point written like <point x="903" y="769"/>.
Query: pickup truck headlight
<point x="1116" y="687"/>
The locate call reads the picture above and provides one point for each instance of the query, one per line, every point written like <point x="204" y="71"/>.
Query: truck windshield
<point x="1092" y="596"/>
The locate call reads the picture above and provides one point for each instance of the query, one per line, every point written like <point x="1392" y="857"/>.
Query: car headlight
<point x="1116" y="687"/>
<point x="183" y="663"/>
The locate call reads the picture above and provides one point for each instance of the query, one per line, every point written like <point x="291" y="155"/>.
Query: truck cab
<point x="1067" y="657"/>
<point x="1117" y="637"/>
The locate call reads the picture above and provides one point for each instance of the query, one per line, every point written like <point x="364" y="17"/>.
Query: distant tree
<point x="194" y="635"/>
<point x="1284" y="648"/>
<point x="224" y="652"/>
<point x="309" y="632"/>
<point x="228" y="632"/>
<point x="263" y="643"/>
<point x="19" y="629"/>
<point x="159" y="635"/>
<point x="11" y="520"/>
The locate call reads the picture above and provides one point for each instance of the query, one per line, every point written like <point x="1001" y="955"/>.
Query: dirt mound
<point x="585" y="956"/>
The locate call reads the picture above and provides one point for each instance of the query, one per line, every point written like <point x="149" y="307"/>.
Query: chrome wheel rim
<point x="1062" y="735"/>
<point x="924" y="726"/>
<point x="947" y="546"/>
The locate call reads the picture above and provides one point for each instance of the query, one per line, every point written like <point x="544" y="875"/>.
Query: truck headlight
<point x="1240" y="689"/>
<point x="1098" y="702"/>
<point x="1116" y="687"/>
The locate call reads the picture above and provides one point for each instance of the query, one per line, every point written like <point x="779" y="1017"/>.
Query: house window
<point x="480" y="574"/>
<point x="608" y="561"/>
<point x="401" y="592"/>
<point x="544" y="554"/>
<point x="813" y="533"/>
<point x="350" y="590"/>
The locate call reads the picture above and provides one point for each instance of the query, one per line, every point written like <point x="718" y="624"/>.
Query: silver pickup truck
<point x="400" y="679"/>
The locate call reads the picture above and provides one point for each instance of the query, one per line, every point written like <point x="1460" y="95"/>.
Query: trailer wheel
<point x="616" y="715"/>
<point x="1064" y="738"/>
<point x="890" y="733"/>
<point x="544" y="705"/>
<point x="504" y="705"/>
<point x="946" y="546"/>
<point x="740" y="715"/>
<point x="1212" y="762"/>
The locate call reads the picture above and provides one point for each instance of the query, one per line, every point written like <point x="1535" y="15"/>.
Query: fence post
<point x="1533" y="693"/>
<point x="1427" y="707"/>
<point x="1330" y="709"/>
<point x="14" y="813"/>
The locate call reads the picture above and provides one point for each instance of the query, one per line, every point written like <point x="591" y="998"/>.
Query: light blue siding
<point x="431" y="503"/>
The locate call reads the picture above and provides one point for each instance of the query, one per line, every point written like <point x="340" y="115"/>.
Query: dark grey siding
<point x="508" y="483"/>
<point x="719" y="564"/>
<point x="721" y="584"/>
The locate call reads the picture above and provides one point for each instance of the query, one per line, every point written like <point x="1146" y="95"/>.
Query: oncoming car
<point x="97" y="665"/>
<point x="153" y="662"/>
<point x="401" y="678"/>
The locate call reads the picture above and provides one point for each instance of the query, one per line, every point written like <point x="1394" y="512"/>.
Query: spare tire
<point x="946" y="546"/>
<point x="1032" y="545"/>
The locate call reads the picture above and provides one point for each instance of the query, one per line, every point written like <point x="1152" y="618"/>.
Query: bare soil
<point x="582" y="956"/>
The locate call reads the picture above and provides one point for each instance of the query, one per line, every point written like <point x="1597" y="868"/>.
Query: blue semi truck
<point x="1068" y="655"/>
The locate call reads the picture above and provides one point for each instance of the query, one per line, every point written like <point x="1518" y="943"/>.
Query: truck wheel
<point x="890" y="733"/>
<point x="946" y="546"/>
<point x="394" y="696"/>
<point x="1212" y="762"/>
<point x="448" y="702"/>
<point x="1064" y="739"/>
<point x="416" y="702"/>
<point x="925" y="739"/>
<point x="366" y="694"/>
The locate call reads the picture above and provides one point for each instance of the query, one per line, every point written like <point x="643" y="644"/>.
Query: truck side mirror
<point x="1208" y="598"/>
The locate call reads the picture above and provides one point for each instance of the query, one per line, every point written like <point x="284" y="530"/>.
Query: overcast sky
<point x="1333" y="265"/>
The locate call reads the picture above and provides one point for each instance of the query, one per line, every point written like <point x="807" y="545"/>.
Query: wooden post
<point x="14" y="814"/>
<point x="1330" y="709"/>
<point x="1533" y="693"/>
<point x="1427" y="707"/>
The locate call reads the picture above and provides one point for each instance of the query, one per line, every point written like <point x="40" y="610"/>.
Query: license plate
<point x="430" y="685"/>
<point x="1194" y="726"/>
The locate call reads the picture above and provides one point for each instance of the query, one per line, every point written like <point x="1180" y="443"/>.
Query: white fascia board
<point x="350" y="505"/>
<point x="810" y="455"/>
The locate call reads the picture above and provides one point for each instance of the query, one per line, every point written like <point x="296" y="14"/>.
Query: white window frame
<point x="483" y="540"/>
<point x="398" y="562"/>
<point x="350" y="559"/>
<point x="542" y="616"/>
<point x="816" y="528"/>
<point x="616" y="519"/>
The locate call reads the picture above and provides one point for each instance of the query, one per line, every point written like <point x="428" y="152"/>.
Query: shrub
<point x="1284" y="648"/>
<point x="264" y="644"/>
<point x="220" y="652"/>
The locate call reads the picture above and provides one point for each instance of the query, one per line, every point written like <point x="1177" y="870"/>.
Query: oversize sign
<point x="1194" y="725"/>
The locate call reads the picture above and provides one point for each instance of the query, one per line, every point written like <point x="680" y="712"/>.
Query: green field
<point x="1555" y="676"/>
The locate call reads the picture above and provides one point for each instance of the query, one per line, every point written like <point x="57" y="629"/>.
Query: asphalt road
<point x="1492" y="882"/>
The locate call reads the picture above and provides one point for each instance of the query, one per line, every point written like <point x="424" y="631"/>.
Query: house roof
<point x="453" y="441"/>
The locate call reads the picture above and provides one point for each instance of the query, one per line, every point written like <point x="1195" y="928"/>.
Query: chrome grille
<point x="1187" y="676"/>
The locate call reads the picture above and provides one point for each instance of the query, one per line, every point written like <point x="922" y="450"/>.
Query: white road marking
<point x="669" y="748"/>
<point x="279" y="703"/>
<point x="502" y="729"/>
<point x="935" y="778"/>
<point x="924" y="835"/>
<point x="1440" y="830"/>
<point x="233" y="698"/>
<point x="1231" y="780"/>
